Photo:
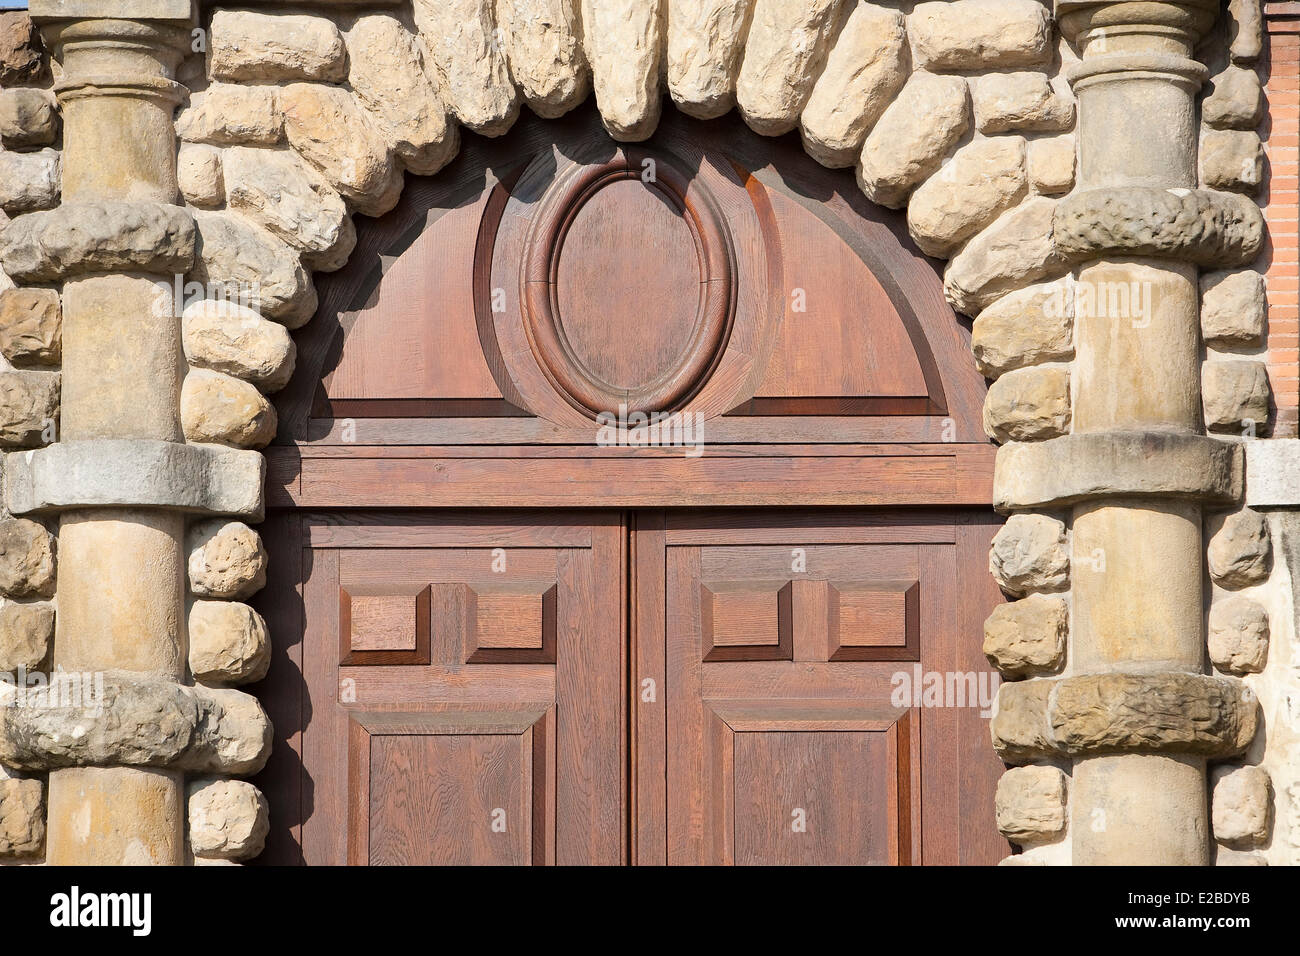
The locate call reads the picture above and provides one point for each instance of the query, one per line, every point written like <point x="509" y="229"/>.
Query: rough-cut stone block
<point x="85" y="237"/>
<point x="387" y="72"/>
<point x="27" y="118"/>
<point x="227" y="337"/>
<point x="1051" y="164"/>
<point x="981" y="181"/>
<point x="1272" y="472"/>
<point x="1245" y="30"/>
<point x="228" y="643"/>
<point x="244" y="263"/>
<point x="31" y="326"/>
<point x="228" y="819"/>
<point x="1030" y="805"/>
<point x="470" y="62"/>
<point x="29" y="181"/>
<point x="1232" y="160"/>
<point x="200" y="175"/>
<point x="223" y="410"/>
<point x="622" y="40"/>
<point x="918" y="129"/>
<point x="278" y="191"/>
<point x="1027" y="636"/>
<point x="29" y="408"/>
<point x="1235" y="100"/>
<point x="1241" y="803"/>
<point x="231" y="115"/>
<point x="1017" y="249"/>
<point x="865" y="70"/>
<point x="1026" y="327"/>
<point x="1019" y="725"/>
<point x="247" y="46"/>
<point x="1028" y="404"/>
<point x="1241" y="550"/>
<point x="1238" y="635"/>
<point x="26" y="559"/>
<point x="543" y="41"/>
<point x="980" y="34"/>
<point x="26" y="635"/>
<point x="786" y="50"/>
<point x="705" y="41"/>
<point x="1006" y="102"/>
<point x="1236" y="396"/>
<point x="1030" y="553"/>
<point x="21" y="51"/>
<point x="22" y="817"/>
<point x="226" y="559"/>
<point x="1233" y="307"/>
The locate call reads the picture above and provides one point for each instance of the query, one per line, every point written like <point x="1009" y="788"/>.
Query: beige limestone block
<point x="228" y="643"/>
<point x="1027" y="636"/>
<point x="31" y="326"/>
<point x="1028" y="404"/>
<point x="26" y="559"/>
<point x="976" y="185"/>
<point x="543" y="43"/>
<point x="200" y="175"/>
<point x="227" y="114"/>
<point x="223" y="410"/>
<point x="387" y="72"/>
<point x="1232" y="160"/>
<point x="330" y="130"/>
<point x="1026" y="327"/>
<point x="785" y="53"/>
<point x="1235" y="100"/>
<point x="1017" y="249"/>
<point x="706" y="39"/>
<point x="866" y="68"/>
<point x="247" y="46"/>
<point x="27" y="118"/>
<point x="21" y="59"/>
<point x="29" y="408"/>
<point x="1019" y="724"/>
<point x="1236" y="396"/>
<point x="228" y="819"/>
<point x="242" y="262"/>
<point x="228" y="337"/>
<point x="1241" y="804"/>
<point x="980" y="34"/>
<point x="22" y="817"/>
<point x="1238" y="635"/>
<point x="1019" y="102"/>
<point x="26" y="634"/>
<point x="1240" y="552"/>
<point x="624" y="43"/>
<point x="29" y="181"/>
<point x="1233" y="307"/>
<point x="1245" y="30"/>
<point x="1030" y="804"/>
<point x="467" y="55"/>
<point x="912" y="137"/>
<point x="1051" y="164"/>
<point x="226" y="559"/>
<point x="1030" y="553"/>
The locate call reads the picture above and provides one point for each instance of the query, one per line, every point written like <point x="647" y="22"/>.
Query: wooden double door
<point x="590" y="687"/>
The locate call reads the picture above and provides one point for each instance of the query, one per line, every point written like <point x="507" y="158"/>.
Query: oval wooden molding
<point x="544" y="323"/>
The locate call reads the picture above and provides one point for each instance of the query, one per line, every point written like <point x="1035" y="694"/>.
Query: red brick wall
<point x="1280" y="133"/>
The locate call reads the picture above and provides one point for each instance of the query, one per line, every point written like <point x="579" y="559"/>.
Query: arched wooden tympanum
<point x="509" y="629"/>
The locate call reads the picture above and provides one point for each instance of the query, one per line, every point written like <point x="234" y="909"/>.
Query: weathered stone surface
<point x="1030" y="805"/>
<point x="278" y="191"/>
<point x="980" y="34"/>
<point x="226" y="114"/>
<point x="1209" y="228"/>
<point x="82" y="237"/>
<point x="1028" y="404"/>
<point x="387" y="72"/>
<point x="29" y="408"/>
<point x="1236" y="396"/>
<point x="137" y="721"/>
<point x="1030" y="553"/>
<point x="223" y="410"/>
<point x="864" y="72"/>
<point x="29" y="181"/>
<point x="1241" y="804"/>
<point x="1233" y="307"/>
<point x="1027" y="636"/>
<point x="1017" y="249"/>
<point x="200" y="175"/>
<point x="1235" y="100"/>
<point x="242" y="262"/>
<point x="1025" y="327"/>
<point x="248" y="46"/>
<point x="705" y="41"/>
<point x="1232" y="160"/>
<point x="22" y="817"/>
<point x="786" y="49"/>
<point x="980" y="181"/>
<point x="1006" y="102"/>
<point x="227" y="337"/>
<point x="1241" y="550"/>
<point x="1238" y="635"/>
<point x="1168" y="713"/>
<point x="332" y="132"/>
<point x="228" y="819"/>
<point x="26" y="634"/>
<point x="1051" y="164"/>
<point x="228" y="643"/>
<point x="915" y="133"/>
<point x="470" y="64"/>
<point x="1245" y="30"/>
<point x="543" y="41"/>
<point x="226" y="559"/>
<point x="622" y="42"/>
<point x="26" y="559"/>
<point x="1019" y="724"/>
<point x="21" y="59"/>
<point x="27" y="118"/>
<point x="31" y="326"/>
